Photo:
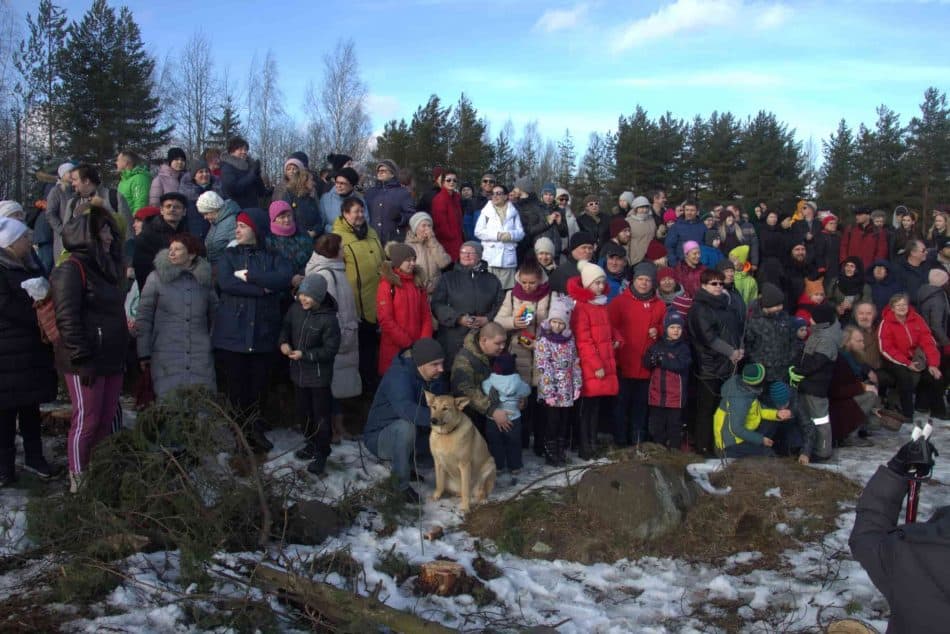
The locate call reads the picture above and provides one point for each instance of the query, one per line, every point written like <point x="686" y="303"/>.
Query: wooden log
<point x="443" y="578"/>
<point x="347" y="611"/>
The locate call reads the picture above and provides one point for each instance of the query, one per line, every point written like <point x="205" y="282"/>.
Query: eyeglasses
<point x="466" y="253"/>
<point x="449" y="180"/>
<point x="713" y="283"/>
<point x="593" y="203"/>
<point x="488" y="180"/>
<point x="498" y="193"/>
<point x="562" y="198"/>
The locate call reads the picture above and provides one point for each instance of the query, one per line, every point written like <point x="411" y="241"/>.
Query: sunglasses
<point x="714" y="283"/>
<point x="449" y="180"/>
<point x="488" y="180"/>
<point x="562" y="198"/>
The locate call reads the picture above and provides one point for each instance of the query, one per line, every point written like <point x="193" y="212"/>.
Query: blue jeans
<point x="395" y="443"/>
<point x="505" y="446"/>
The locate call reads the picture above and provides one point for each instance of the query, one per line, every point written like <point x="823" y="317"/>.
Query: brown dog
<point x="462" y="461"/>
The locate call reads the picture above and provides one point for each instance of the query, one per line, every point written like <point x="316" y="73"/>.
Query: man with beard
<point x="798" y="267"/>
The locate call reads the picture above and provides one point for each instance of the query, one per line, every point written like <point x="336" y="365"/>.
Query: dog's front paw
<point x="464" y="508"/>
<point x="436" y="496"/>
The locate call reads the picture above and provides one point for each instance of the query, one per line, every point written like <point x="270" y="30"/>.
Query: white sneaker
<point x="75" y="481"/>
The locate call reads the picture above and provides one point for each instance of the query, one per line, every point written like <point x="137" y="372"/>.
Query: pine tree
<point x="109" y="100"/>
<point x="695" y="173"/>
<point x="596" y="171"/>
<point x="720" y="156"/>
<point x="468" y="152"/>
<point x="880" y="163"/>
<point x="929" y="143"/>
<point x="566" y="158"/>
<point x="227" y="126"/>
<point x="529" y="151"/>
<point x="636" y="166"/>
<point x="668" y="146"/>
<point x="772" y="163"/>
<point x="38" y="62"/>
<point x="836" y="185"/>
<point x="394" y="143"/>
<point x="504" y="162"/>
<point x="429" y="133"/>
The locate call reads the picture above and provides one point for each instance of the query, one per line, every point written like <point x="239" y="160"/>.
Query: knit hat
<point x="302" y="157"/>
<point x="561" y="310"/>
<point x="879" y="213"/>
<point x="65" y="168"/>
<point x="724" y="265"/>
<point x="475" y="244"/>
<point x="418" y="218"/>
<point x="337" y="161"/>
<point x="814" y="286"/>
<point x="503" y="364"/>
<point x="673" y="318"/>
<point x="10" y="231"/>
<point x="548" y="188"/>
<point x="753" y="374"/>
<point x="387" y="163"/>
<point x="778" y="393"/>
<point x="590" y="273"/>
<point x="628" y="196"/>
<point x="689" y="246"/>
<point x="350" y="175"/>
<point x="862" y="211"/>
<point x="664" y="273"/>
<point x="544" y="245"/>
<point x="525" y="184"/>
<point x="314" y="287"/>
<point x="645" y="268"/>
<point x="740" y="254"/>
<point x="823" y="313"/>
<point x="277" y="208"/>
<point x="799" y="322"/>
<point x="297" y="162"/>
<point x="560" y="191"/>
<point x="590" y="198"/>
<point x="669" y="215"/>
<point x="811" y="203"/>
<point x="937" y="276"/>
<point x="706" y="214"/>
<point x="426" y="350"/>
<point x="176" y="153"/>
<point x="579" y="239"/>
<point x="11" y="209"/>
<point x="144" y="213"/>
<point x="772" y="296"/>
<point x="198" y="165"/>
<point x="641" y="201"/>
<point x="827" y="219"/>
<point x="612" y="250"/>
<point x="617" y="224"/>
<point x="209" y="202"/>
<point x="399" y="252"/>
<point x="246" y="218"/>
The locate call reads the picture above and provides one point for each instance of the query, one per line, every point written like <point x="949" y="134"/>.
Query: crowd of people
<point x="726" y="331"/>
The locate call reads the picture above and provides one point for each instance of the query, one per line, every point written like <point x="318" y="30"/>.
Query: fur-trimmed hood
<point x="168" y="272"/>
<point x="395" y="278"/>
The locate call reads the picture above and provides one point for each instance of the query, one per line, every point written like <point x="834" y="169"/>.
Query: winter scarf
<point x="542" y="291"/>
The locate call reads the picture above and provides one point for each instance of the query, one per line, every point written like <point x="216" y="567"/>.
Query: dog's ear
<point x="429" y="397"/>
<point x="461" y="402"/>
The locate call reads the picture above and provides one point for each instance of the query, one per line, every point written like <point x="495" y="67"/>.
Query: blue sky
<point x="580" y="65"/>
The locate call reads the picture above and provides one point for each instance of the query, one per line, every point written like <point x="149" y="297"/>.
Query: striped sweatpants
<point x="95" y="414"/>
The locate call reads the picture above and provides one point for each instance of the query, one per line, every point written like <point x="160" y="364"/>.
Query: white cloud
<point x="559" y="19"/>
<point x="691" y="16"/>
<point x="712" y="78"/>
<point x="382" y="107"/>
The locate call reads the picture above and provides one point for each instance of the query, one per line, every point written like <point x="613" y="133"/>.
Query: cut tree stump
<point x="443" y="578"/>
<point x="347" y="611"/>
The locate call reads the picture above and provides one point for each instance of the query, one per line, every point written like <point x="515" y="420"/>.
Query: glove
<point x="794" y="378"/>
<point x="916" y="458"/>
<point x="241" y="275"/>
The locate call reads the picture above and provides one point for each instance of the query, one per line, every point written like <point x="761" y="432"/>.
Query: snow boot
<point x="823" y="448"/>
<point x="75" y="482"/>
<point x="319" y="465"/>
<point x="38" y="466"/>
<point x="550" y="454"/>
<point x="337" y="432"/>
<point x="307" y="452"/>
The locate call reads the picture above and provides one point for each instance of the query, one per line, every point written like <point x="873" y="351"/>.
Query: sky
<point x="580" y="65"/>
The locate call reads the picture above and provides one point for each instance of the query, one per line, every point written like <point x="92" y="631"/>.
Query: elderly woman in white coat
<point x="327" y="262"/>
<point x="174" y="318"/>
<point x="499" y="229"/>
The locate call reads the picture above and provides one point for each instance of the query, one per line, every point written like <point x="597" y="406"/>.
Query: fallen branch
<point x="344" y="609"/>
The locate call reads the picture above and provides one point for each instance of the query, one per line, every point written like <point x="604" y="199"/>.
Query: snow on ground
<point x="651" y="594"/>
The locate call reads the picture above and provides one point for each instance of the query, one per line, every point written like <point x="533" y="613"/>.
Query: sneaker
<point x="307" y="452"/>
<point x="40" y="467"/>
<point x="75" y="482"/>
<point x="318" y="466"/>
<point x="410" y="496"/>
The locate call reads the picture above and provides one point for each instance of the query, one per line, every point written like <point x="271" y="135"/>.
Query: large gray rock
<point x="644" y="501"/>
<point x="309" y="522"/>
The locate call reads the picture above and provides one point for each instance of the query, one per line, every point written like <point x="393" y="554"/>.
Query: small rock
<point x="541" y="548"/>
<point x="434" y="533"/>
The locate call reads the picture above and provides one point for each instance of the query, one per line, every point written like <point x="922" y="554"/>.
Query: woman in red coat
<point x="908" y="348"/>
<point x="402" y="305"/>
<point x="447" y="215"/>
<point x="596" y="342"/>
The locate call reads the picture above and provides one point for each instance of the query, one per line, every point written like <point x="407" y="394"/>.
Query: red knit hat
<point x="664" y="273"/>
<point x="246" y="219"/>
<point x="144" y="213"/>
<point x="827" y="219"/>
<point x="618" y="224"/>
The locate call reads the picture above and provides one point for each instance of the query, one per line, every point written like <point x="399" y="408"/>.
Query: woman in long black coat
<point x="27" y="377"/>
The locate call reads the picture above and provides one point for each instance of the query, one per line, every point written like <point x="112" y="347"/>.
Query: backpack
<point x="46" y="310"/>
